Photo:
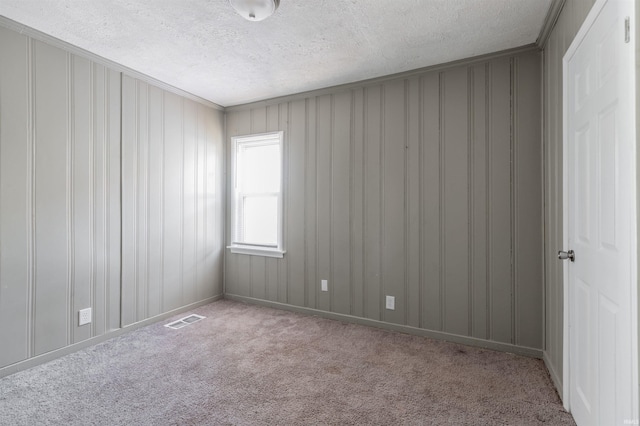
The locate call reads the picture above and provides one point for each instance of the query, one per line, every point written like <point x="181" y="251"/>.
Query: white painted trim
<point x="565" y="241"/>
<point x="257" y="251"/>
<point x="584" y="29"/>
<point x="635" y="357"/>
<point x="56" y="42"/>
<point x="240" y="248"/>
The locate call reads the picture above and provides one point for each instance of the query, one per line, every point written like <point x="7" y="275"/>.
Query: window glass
<point x="260" y="168"/>
<point x="261" y="220"/>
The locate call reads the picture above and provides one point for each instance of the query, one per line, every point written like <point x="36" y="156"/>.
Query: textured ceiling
<point x="204" y="47"/>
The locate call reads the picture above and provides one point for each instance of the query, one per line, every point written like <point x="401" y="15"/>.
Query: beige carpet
<point x="245" y="364"/>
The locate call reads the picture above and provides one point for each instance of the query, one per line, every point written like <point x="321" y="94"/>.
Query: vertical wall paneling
<point x="107" y="316"/>
<point x="171" y="190"/>
<point x="59" y="197"/>
<point x="189" y="199"/>
<point x="231" y="268"/>
<point x="455" y="209"/>
<point x="295" y="206"/>
<point x="413" y="209"/>
<point x="528" y="192"/>
<point x="431" y="203"/>
<point x="356" y="199"/>
<point x="373" y="202"/>
<point x="424" y="189"/>
<point x="16" y="190"/>
<point x="130" y="107"/>
<point x="258" y="277"/>
<point x="500" y="202"/>
<point x="154" y="199"/>
<point x="98" y="87"/>
<point x="323" y="197"/>
<point x="82" y="193"/>
<point x="141" y="179"/>
<point x="201" y="253"/>
<point x="312" y="283"/>
<point x="340" y="203"/>
<point x="214" y="190"/>
<point x="173" y="195"/>
<point x="105" y="208"/>
<point x="478" y="197"/>
<point x="394" y="140"/>
<point x="52" y="220"/>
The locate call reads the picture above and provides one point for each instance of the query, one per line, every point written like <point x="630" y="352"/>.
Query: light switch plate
<point x="324" y="285"/>
<point x="391" y="303"/>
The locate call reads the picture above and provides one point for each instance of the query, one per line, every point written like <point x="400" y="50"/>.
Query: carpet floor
<point x="246" y="365"/>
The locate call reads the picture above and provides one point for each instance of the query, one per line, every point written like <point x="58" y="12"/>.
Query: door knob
<point x="564" y="255"/>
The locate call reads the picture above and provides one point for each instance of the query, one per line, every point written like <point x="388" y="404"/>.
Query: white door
<point x="599" y="149"/>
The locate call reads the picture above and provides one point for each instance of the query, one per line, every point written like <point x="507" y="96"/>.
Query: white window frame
<point x="277" y="250"/>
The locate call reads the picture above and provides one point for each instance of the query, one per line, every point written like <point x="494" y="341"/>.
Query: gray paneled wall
<point x="567" y="26"/>
<point x="427" y="188"/>
<point x="172" y="186"/>
<point x="59" y="197"/>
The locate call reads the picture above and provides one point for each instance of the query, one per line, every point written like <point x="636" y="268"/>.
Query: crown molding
<point x="550" y="22"/>
<point x="378" y="80"/>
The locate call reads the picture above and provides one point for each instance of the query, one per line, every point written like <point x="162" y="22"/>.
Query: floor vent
<point x="183" y="322"/>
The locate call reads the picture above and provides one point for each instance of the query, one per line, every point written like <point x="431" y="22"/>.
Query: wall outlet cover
<point x="391" y="303"/>
<point x="84" y="316"/>
<point x="324" y="285"/>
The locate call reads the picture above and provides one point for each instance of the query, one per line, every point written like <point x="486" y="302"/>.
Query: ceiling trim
<point x="56" y="42"/>
<point x="550" y="22"/>
<point x="374" y="81"/>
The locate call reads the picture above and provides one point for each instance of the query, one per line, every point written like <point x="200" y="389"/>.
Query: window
<point x="256" y="210"/>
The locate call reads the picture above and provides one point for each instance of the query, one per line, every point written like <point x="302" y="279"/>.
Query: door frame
<point x="566" y="362"/>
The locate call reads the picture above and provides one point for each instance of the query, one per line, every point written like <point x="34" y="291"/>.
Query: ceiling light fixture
<point x="255" y="10"/>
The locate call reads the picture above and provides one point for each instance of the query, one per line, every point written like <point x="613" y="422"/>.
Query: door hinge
<point x="627" y="29"/>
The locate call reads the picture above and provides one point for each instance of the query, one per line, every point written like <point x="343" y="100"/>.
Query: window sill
<point x="257" y="251"/>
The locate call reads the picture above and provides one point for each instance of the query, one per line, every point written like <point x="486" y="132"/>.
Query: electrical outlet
<point x="391" y="303"/>
<point x="324" y="285"/>
<point x="84" y="316"/>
